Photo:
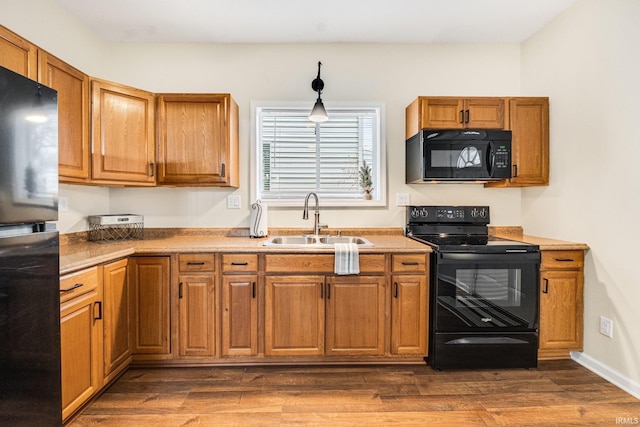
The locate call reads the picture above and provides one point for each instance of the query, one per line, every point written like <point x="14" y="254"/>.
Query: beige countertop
<point x="82" y="254"/>
<point x="77" y="253"/>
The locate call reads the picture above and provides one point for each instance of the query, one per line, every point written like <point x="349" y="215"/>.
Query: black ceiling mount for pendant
<point x="318" y="114"/>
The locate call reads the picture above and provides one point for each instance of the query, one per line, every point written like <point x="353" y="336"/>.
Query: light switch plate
<point x="233" y="202"/>
<point x="402" y="199"/>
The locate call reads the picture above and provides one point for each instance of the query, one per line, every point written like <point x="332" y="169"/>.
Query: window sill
<point x="326" y="203"/>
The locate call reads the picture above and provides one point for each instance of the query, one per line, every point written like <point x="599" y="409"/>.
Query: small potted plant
<point x="365" y="180"/>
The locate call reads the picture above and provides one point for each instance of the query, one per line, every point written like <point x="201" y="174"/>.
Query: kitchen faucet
<point x="305" y="214"/>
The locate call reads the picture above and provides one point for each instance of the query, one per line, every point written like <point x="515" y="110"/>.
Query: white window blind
<point x="296" y="156"/>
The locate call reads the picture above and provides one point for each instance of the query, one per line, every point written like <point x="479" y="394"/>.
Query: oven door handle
<point x="448" y="257"/>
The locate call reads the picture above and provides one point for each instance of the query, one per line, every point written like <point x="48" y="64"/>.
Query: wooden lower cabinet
<point x="294" y="315"/>
<point x="197" y="315"/>
<point x="81" y="328"/>
<point x="409" y="304"/>
<point x="239" y="315"/>
<point x="149" y="277"/>
<point x="409" y="314"/>
<point x="355" y="315"/>
<point x="561" y="303"/>
<point x="324" y="315"/>
<point x="118" y="310"/>
<point x="197" y="319"/>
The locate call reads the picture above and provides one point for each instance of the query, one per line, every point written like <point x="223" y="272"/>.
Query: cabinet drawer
<point x="239" y="262"/>
<point x="197" y="262"/>
<point x="78" y="283"/>
<point x="319" y="263"/>
<point x="562" y="260"/>
<point x="409" y="263"/>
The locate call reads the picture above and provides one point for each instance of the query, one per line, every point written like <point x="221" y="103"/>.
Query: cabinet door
<point x="294" y="315"/>
<point x="529" y="122"/>
<point x="118" y="308"/>
<point x="409" y="314"/>
<point x="459" y="113"/>
<point x="150" y="282"/>
<point x="17" y="54"/>
<point x="239" y="315"/>
<point x="561" y="312"/>
<point x="441" y="113"/>
<point x="81" y="355"/>
<point x="123" y="138"/>
<point x="197" y="319"/>
<point x="194" y="140"/>
<point x="484" y="113"/>
<point x="355" y="315"/>
<point x="73" y="115"/>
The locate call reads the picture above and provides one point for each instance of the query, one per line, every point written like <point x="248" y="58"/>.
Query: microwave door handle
<point x="491" y="158"/>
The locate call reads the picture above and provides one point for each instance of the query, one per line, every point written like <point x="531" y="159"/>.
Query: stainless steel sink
<point x="330" y="240"/>
<point x="291" y="241"/>
<point x="317" y="241"/>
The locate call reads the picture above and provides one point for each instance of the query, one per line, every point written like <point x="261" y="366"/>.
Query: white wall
<point x="587" y="62"/>
<point x="394" y="74"/>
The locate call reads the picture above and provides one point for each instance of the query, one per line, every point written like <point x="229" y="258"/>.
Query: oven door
<point x="467" y="160"/>
<point x="486" y="292"/>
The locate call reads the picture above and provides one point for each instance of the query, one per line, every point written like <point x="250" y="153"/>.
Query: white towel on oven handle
<point x="346" y="259"/>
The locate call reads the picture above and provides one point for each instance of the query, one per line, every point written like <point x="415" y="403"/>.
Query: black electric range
<point x="459" y="229"/>
<point x="483" y="290"/>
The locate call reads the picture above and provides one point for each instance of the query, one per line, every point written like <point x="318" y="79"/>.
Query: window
<point x="293" y="156"/>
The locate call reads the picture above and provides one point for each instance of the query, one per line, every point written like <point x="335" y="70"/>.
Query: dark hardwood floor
<point x="557" y="393"/>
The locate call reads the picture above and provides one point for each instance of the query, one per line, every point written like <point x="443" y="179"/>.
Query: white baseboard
<point x="611" y="375"/>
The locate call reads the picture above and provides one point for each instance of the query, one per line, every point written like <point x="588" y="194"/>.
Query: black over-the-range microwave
<point x="458" y="155"/>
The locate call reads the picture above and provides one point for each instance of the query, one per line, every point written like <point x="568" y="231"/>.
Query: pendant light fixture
<point x="318" y="114"/>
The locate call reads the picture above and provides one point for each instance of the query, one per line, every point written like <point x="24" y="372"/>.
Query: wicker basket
<point x="105" y="228"/>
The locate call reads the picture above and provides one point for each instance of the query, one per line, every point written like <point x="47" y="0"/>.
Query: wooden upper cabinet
<point x="197" y="140"/>
<point x="17" y="54"/>
<point x="123" y="137"/>
<point x="454" y="113"/>
<point x="529" y="123"/>
<point x="73" y="115"/>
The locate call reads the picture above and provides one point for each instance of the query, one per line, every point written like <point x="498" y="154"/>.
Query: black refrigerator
<point x="30" y="384"/>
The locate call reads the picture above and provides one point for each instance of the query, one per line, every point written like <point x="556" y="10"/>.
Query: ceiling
<point x="316" y="21"/>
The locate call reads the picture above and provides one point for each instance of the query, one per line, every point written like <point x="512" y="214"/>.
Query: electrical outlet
<point x="606" y="327"/>
<point x="63" y="204"/>
<point x="402" y="199"/>
<point x="233" y="202"/>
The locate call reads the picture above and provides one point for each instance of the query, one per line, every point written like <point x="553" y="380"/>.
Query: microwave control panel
<point x="501" y="159"/>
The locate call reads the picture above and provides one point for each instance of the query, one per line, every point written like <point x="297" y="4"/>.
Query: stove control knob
<point x="424" y="212"/>
<point x="483" y="213"/>
<point x="475" y="213"/>
<point x="415" y="213"/>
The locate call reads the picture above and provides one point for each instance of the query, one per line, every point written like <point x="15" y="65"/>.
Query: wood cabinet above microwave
<point x="455" y="113"/>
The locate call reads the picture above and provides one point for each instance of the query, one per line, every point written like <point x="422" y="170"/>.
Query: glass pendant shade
<point x="318" y="114"/>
